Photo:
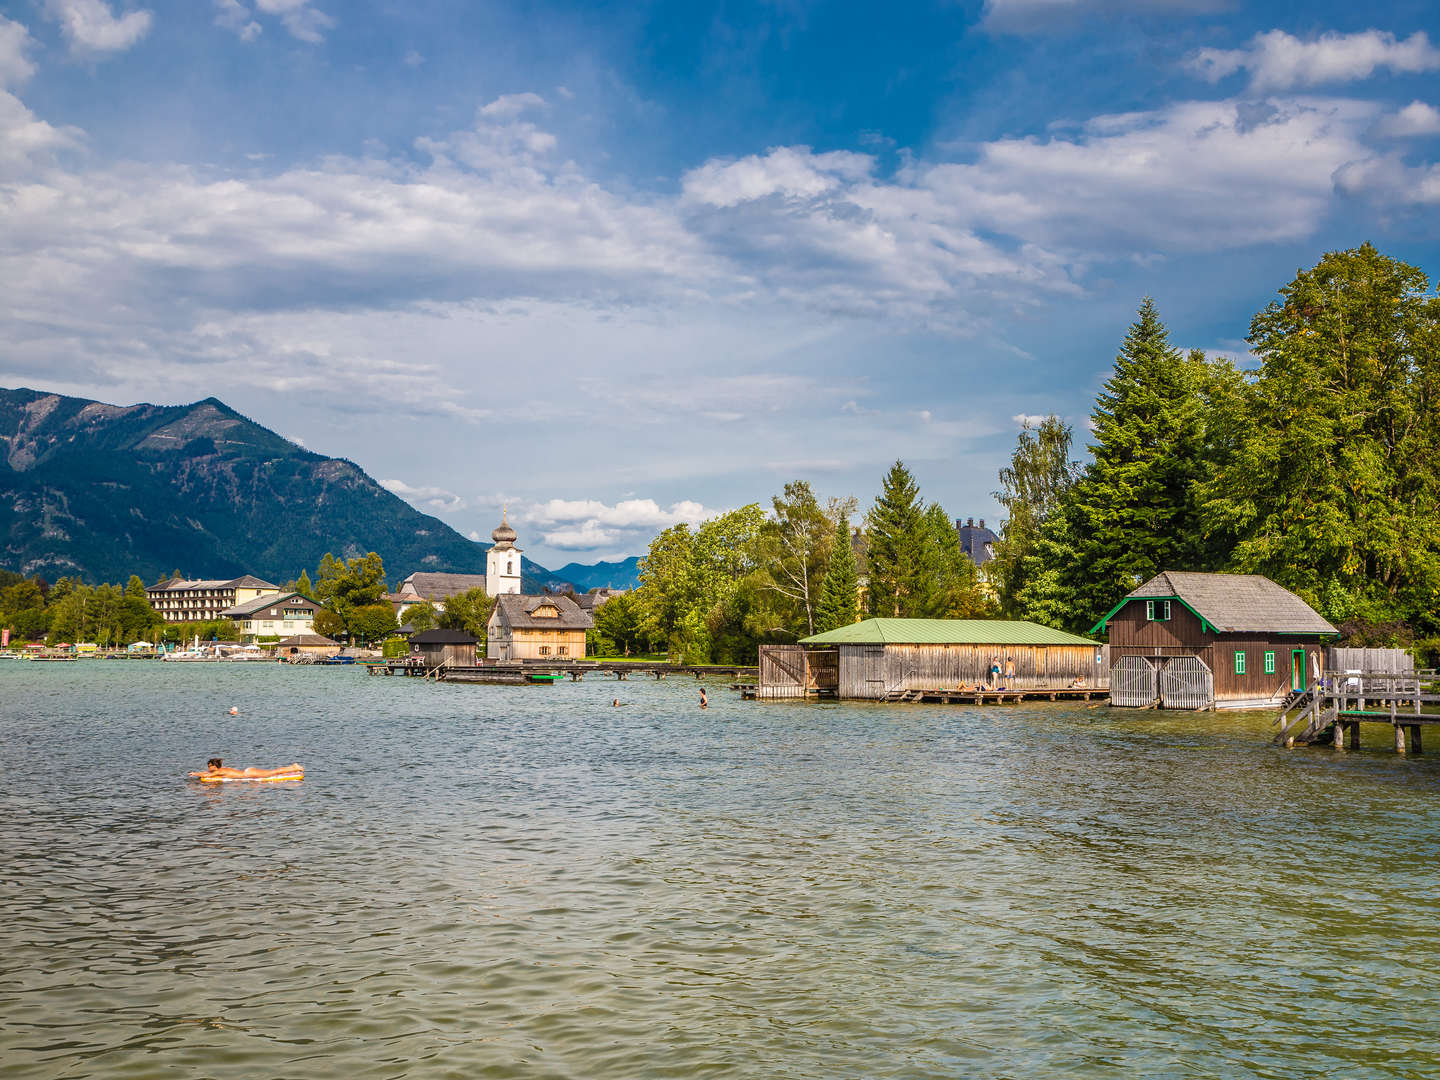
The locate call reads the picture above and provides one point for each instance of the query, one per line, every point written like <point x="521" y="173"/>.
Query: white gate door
<point x="1186" y="683"/>
<point x="1133" y="682"/>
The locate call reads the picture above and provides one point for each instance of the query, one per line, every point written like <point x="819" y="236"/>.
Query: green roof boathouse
<point x="935" y="660"/>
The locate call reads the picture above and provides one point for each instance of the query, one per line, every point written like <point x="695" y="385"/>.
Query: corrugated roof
<point x="945" y="632"/>
<point x="1234" y="603"/>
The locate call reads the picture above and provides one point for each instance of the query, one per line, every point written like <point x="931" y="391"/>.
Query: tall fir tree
<point x="840" y="590"/>
<point x="897" y="531"/>
<point x="1032" y="488"/>
<point x="1136" y="509"/>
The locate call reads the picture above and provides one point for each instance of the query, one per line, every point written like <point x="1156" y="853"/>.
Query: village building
<point x="976" y="541"/>
<point x="536" y="628"/>
<point x="502" y="561"/>
<point x="451" y="648"/>
<point x="432" y="588"/>
<point x="887" y="659"/>
<point x="592" y="601"/>
<point x="306" y="645"/>
<point x="279" y="614"/>
<point x="1223" y="641"/>
<point x="182" y="600"/>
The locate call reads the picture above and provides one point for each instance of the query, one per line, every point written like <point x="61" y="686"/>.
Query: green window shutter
<point x="1167" y="611"/>
<point x="1150" y="610"/>
<point x="1239" y="662"/>
<point x="1269" y="663"/>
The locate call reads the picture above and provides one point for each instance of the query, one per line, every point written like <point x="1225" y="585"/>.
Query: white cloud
<point x="1029" y="420"/>
<point x="235" y="17"/>
<point x="304" y="22"/>
<point x="1390" y="180"/>
<point x="1279" y="61"/>
<point x="91" y="27"/>
<point x="413" y="59"/>
<point x="626" y="514"/>
<point x="586" y="537"/>
<point x="1417" y="118"/>
<point x="790" y="171"/>
<point x="15" y="66"/>
<point x="430" y="499"/>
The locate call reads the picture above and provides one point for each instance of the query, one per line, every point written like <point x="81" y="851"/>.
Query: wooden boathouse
<point x="1212" y="641"/>
<point x="934" y="659"/>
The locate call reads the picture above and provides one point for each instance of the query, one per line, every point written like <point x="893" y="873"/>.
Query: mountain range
<point x="105" y="491"/>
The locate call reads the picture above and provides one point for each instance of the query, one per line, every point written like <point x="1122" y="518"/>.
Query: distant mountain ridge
<point x="624" y="574"/>
<point x="105" y="491"/>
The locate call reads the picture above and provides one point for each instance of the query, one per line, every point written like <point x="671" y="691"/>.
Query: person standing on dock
<point x="1010" y="672"/>
<point x="994" y="679"/>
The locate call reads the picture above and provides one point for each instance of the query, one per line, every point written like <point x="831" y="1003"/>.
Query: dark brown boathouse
<point x="917" y="659"/>
<point x="1212" y="641"/>
<point x="452" y="648"/>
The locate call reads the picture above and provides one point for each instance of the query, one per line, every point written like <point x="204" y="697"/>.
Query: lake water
<point x="487" y="881"/>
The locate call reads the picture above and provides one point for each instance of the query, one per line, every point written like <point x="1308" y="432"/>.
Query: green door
<point x="1297" y="669"/>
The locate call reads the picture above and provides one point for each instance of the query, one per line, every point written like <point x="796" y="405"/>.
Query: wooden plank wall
<point x="782" y="672"/>
<point x="872" y="671"/>
<point x="1375" y="661"/>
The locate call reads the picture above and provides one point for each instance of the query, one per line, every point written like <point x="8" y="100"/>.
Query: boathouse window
<point x="1157" y="609"/>
<point x="1239" y="662"/>
<point x="1269" y="663"/>
<point x="1150" y="610"/>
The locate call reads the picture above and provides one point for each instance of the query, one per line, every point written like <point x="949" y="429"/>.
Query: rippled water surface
<point x="485" y="881"/>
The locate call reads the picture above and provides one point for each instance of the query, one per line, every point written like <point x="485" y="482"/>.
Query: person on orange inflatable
<point x="215" y="767"/>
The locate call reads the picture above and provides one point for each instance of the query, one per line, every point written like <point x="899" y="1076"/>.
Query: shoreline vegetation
<point x="1318" y="467"/>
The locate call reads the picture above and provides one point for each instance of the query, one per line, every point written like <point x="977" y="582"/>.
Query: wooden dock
<point x="958" y="696"/>
<point x="1333" y="712"/>
<point x="517" y="672"/>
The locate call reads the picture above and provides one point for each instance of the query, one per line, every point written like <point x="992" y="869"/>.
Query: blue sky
<point x="616" y="266"/>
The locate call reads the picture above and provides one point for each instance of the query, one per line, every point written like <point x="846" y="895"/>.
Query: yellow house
<point x="536" y="628"/>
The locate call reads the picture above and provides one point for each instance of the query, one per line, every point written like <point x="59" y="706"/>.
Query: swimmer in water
<point x="704" y="701"/>
<point x="234" y="711"/>
<point x="215" y="767"/>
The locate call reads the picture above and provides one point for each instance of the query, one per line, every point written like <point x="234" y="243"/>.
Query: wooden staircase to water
<point x="1334" y="712"/>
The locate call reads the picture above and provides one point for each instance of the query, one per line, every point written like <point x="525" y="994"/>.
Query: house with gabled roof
<point x="550" y="627"/>
<point x="275" y="614"/>
<point x="1224" y="641"/>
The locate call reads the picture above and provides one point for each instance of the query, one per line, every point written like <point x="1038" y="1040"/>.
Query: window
<point x="562" y="650"/>
<point x="509" y="567"/>
<point x="1239" y="662"/>
<point x="1166" y="616"/>
<point x="544" y="650"/>
<point x="1150" y="610"/>
<point x="1269" y="663"/>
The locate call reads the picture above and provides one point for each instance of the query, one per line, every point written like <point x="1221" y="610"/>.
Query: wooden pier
<point x="1333" y="712"/>
<point x="513" y="673"/>
<point x="958" y="696"/>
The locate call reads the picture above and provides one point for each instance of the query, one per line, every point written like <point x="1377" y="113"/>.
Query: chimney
<point x="982" y="523"/>
<point x="970" y="521"/>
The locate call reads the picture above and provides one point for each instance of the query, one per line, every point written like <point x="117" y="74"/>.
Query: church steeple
<point x="502" y="561"/>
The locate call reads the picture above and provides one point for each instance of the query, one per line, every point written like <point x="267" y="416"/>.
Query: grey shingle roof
<point x="1234" y="603"/>
<point x="249" y="607"/>
<point x="441" y="587"/>
<point x="515" y="611"/>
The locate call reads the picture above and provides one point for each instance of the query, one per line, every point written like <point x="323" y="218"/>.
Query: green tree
<point x="1032" y="488"/>
<point x="421" y="617"/>
<point x="897" y="535"/>
<point x="944" y="584"/>
<point x="469" y="611"/>
<point x="328" y="623"/>
<point x="303" y="585"/>
<point x="840" y="590"/>
<point x="372" y="622"/>
<point x="1334" y="488"/>
<point x="618" y="627"/>
<point x="1136" y="509"/>
<point x="795" y="545"/>
<point x="349" y="585"/>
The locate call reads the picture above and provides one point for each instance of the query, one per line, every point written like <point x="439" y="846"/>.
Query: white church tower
<point x="502" y="561"/>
